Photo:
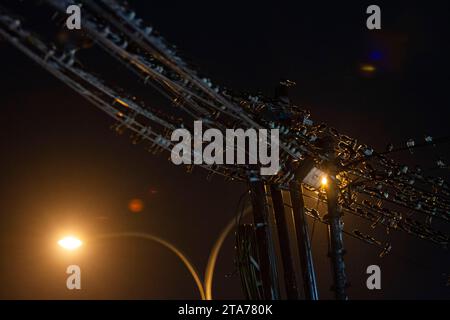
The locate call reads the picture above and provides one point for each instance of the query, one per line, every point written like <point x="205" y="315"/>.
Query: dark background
<point x="63" y="170"/>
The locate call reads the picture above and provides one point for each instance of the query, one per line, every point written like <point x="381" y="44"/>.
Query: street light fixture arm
<point x="193" y="271"/>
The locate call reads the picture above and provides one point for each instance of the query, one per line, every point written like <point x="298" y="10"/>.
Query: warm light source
<point x="324" y="181"/>
<point x="368" y="68"/>
<point x="313" y="177"/>
<point x="70" y="243"/>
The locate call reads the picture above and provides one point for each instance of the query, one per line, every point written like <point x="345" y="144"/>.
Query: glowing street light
<point x="70" y="243"/>
<point x="324" y="181"/>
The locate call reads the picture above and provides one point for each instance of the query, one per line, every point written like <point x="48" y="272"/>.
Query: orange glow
<point x="70" y="243"/>
<point x="136" y="205"/>
<point x="324" y="181"/>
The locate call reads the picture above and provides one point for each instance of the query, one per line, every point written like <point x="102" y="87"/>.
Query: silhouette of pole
<point x="285" y="247"/>
<point x="303" y="240"/>
<point x="264" y="239"/>
<point x="336" y="249"/>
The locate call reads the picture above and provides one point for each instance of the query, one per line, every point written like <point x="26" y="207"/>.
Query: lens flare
<point x="368" y="68"/>
<point x="136" y="205"/>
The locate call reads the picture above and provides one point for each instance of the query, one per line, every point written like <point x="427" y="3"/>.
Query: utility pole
<point x="285" y="247"/>
<point x="303" y="240"/>
<point x="264" y="239"/>
<point x="336" y="249"/>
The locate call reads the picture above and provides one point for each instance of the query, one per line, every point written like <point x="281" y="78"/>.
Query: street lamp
<point x="70" y="243"/>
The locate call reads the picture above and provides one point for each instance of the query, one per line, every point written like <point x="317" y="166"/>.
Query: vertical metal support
<point x="335" y="241"/>
<point x="266" y="249"/>
<point x="304" y="244"/>
<point x="285" y="247"/>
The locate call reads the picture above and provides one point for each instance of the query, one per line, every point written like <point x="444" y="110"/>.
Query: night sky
<point x="64" y="170"/>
